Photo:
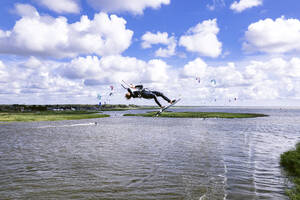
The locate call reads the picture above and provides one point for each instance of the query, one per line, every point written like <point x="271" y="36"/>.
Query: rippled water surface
<point x="148" y="158"/>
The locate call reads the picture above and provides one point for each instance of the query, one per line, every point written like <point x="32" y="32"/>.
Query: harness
<point x="140" y="92"/>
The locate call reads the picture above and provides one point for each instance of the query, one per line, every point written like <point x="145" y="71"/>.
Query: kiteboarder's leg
<point x="150" y="95"/>
<point x="156" y="101"/>
<point x="159" y="94"/>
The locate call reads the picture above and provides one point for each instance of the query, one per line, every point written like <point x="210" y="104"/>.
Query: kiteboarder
<point x="142" y="92"/>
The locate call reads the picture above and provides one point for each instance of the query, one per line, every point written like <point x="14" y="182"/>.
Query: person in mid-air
<point x="141" y="92"/>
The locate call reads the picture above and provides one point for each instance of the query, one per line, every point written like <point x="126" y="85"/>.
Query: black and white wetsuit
<point x="147" y="94"/>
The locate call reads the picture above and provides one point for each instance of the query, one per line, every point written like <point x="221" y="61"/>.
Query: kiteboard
<point x="165" y="108"/>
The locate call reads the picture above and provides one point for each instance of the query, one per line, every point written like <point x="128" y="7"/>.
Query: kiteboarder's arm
<point x="129" y="90"/>
<point x="139" y="87"/>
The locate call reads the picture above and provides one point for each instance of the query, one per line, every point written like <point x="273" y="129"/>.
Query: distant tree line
<point x="60" y="107"/>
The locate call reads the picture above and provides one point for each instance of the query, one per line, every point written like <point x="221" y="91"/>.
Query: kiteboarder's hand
<point x="172" y="101"/>
<point x="132" y="86"/>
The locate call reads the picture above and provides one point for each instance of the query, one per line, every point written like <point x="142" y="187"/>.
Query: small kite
<point x="213" y="81"/>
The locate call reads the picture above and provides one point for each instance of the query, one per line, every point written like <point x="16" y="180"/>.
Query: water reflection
<point x="148" y="158"/>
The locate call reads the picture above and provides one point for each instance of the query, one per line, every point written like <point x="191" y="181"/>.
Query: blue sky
<point x="68" y="51"/>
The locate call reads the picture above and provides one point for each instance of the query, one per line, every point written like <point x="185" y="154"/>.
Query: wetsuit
<point x="147" y="94"/>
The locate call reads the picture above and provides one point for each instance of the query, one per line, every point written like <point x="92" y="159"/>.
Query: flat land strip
<point x="199" y="115"/>
<point x="48" y="116"/>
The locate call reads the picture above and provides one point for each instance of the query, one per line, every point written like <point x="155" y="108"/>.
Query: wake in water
<point x="71" y="125"/>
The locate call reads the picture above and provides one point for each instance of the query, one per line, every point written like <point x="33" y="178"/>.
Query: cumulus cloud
<point x="203" y="39"/>
<point x="3" y="73"/>
<point x="26" y="10"/>
<point x="225" y="76"/>
<point x="133" y="6"/>
<point x="111" y="69"/>
<point x="55" y="37"/>
<point x="273" y="36"/>
<point x="195" y="68"/>
<point x="218" y="83"/>
<point x="245" y="4"/>
<point x="37" y="83"/>
<point x="272" y="79"/>
<point x="150" y="39"/>
<point x="79" y="80"/>
<point x="215" y="4"/>
<point x="228" y="76"/>
<point x="61" y="6"/>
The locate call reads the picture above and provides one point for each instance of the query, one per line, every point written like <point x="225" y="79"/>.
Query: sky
<point x="208" y="52"/>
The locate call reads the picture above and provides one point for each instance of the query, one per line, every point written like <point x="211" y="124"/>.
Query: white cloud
<point x="294" y="69"/>
<point x="227" y="76"/>
<point x="279" y="36"/>
<point x="245" y="4"/>
<point x="55" y="37"/>
<point x="26" y="10"/>
<point x="229" y="81"/>
<point x="80" y="68"/>
<point x="156" y="71"/>
<point x="61" y="6"/>
<point x="166" y="52"/>
<point x="215" y="4"/>
<point x="195" y="68"/>
<point x="36" y="83"/>
<point x="79" y="80"/>
<point x="265" y="90"/>
<point x="203" y="39"/>
<point x="32" y="62"/>
<point x="150" y="39"/>
<point x="132" y="6"/>
<point x="111" y="69"/>
<point x="273" y="79"/>
<point x="3" y="73"/>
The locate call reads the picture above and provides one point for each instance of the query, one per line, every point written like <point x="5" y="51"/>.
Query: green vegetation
<point x="35" y="108"/>
<point x="199" y="115"/>
<point x="48" y="116"/>
<point x="70" y="107"/>
<point x="122" y="107"/>
<point x="290" y="161"/>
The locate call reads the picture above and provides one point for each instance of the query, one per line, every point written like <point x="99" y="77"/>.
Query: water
<point x="148" y="158"/>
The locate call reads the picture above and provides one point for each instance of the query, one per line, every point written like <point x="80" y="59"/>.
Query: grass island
<point x="199" y="115"/>
<point x="48" y="116"/>
<point x="30" y="113"/>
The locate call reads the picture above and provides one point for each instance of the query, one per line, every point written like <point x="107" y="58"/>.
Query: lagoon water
<point x="149" y="158"/>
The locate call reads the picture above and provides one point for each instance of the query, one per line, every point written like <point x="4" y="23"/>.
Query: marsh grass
<point x="199" y="115"/>
<point x="48" y="116"/>
<point x="130" y="108"/>
<point x="290" y="161"/>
